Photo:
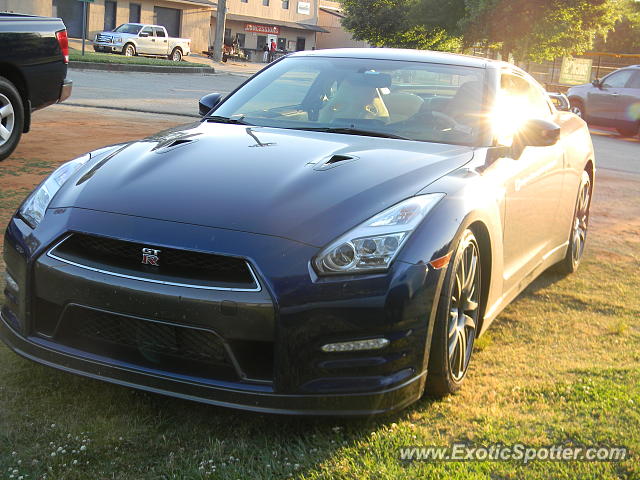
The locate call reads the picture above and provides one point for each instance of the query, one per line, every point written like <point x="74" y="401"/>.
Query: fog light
<point x="371" y="344"/>
<point x="12" y="285"/>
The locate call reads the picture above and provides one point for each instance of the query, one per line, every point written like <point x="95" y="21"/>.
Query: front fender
<point x="475" y="197"/>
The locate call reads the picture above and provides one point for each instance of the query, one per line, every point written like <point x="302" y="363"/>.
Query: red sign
<point x="254" y="27"/>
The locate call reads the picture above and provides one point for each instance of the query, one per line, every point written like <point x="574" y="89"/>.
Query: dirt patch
<point x="615" y="214"/>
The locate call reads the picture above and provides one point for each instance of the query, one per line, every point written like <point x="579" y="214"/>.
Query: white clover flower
<point x="83" y="448"/>
<point x="53" y="454"/>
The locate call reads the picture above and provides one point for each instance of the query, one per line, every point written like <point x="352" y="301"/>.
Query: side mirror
<point x="560" y="101"/>
<point x="596" y="83"/>
<point x="208" y="103"/>
<point x="143" y="35"/>
<point x="538" y="133"/>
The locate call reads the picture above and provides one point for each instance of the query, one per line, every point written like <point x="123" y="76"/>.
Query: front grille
<point x="104" y="38"/>
<point x="173" y="265"/>
<point x="147" y="343"/>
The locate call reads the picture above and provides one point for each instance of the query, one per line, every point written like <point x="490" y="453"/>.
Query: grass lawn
<point x="560" y="365"/>
<point x="98" y="57"/>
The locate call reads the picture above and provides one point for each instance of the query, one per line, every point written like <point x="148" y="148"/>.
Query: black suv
<point x="613" y="101"/>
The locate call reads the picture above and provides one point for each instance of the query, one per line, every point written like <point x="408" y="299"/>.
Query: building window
<point x="240" y="38"/>
<point x="285" y="4"/>
<point x="265" y="3"/>
<point x="134" y="13"/>
<point x="227" y="36"/>
<point x="244" y="1"/>
<point x="110" y="15"/>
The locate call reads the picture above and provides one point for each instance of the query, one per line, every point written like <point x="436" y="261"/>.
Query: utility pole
<point x="84" y="24"/>
<point x="220" y="24"/>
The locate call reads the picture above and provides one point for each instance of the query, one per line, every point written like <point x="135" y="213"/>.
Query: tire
<point x="11" y="118"/>
<point x="176" y="55"/>
<point x="577" y="107"/>
<point x="456" y="322"/>
<point x="129" y="50"/>
<point x="579" y="227"/>
<point x="629" y="131"/>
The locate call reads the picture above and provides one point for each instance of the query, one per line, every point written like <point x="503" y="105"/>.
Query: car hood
<point x="305" y="186"/>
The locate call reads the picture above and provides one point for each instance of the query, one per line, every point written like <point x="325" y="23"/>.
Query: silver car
<point x="613" y="101"/>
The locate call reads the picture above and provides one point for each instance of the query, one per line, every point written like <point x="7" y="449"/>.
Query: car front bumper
<point x="107" y="47"/>
<point x="272" y="336"/>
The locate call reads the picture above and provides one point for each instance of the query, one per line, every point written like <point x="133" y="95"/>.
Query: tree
<point x="528" y="29"/>
<point x="539" y="29"/>
<point x="404" y="23"/>
<point x="625" y="35"/>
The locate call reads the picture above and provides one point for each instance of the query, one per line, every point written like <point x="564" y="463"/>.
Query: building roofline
<point x="280" y="23"/>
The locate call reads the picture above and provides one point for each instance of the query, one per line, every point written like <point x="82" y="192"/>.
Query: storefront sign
<point x="304" y="8"/>
<point x="575" y="71"/>
<point x="254" y="27"/>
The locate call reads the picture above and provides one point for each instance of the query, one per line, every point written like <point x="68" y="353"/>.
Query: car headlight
<point x="374" y="244"/>
<point x="117" y="39"/>
<point x="35" y="206"/>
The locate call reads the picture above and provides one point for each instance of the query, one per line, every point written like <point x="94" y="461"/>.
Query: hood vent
<point x="334" y="161"/>
<point x="172" y="144"/>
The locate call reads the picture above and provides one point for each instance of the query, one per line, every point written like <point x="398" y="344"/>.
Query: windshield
<point x="128" y="28"/>
<point x="412" y="100"/>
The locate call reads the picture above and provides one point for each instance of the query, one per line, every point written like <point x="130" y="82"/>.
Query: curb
<point x="123" y="67"/>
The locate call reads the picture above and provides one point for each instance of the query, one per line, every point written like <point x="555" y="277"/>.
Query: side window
<point x="148" y="31"/>
<point x="617" y="79"/>
<point x="635" y="81"/>
<point x="159" y="32"/>
<point x="523" y="98"/>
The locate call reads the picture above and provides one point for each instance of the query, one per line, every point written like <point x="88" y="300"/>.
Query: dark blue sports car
<point x="330" y="238"/>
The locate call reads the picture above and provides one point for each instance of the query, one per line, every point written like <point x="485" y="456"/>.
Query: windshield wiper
<point x="231" y="121"/>
<point x="354" y="131"/>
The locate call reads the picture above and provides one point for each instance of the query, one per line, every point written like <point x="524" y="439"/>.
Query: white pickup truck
<point x="140" y="39"/>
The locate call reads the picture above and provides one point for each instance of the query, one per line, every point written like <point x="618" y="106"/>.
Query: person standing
<point x="272" y="50"/>
<point x="265" y="54"/>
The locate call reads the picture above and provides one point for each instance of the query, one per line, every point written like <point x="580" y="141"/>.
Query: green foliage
<point x="539" y="29"/>
<point x="417" y="24"/>
<point x="529" y="29"/>
<point x="625" y="35"/>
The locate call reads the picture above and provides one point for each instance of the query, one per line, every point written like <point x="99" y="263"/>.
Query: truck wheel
<point x="11" y="118"/>
<point x="129" y="50"/>
<point x="176" y="55"/>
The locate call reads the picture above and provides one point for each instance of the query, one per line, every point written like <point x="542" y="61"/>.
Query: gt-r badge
<point x="150" y="257"/>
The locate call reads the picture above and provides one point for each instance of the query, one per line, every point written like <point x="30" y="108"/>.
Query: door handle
<point x="615" y="94"/>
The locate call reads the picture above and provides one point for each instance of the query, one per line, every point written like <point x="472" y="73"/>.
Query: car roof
<point x="427" y="56"/>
